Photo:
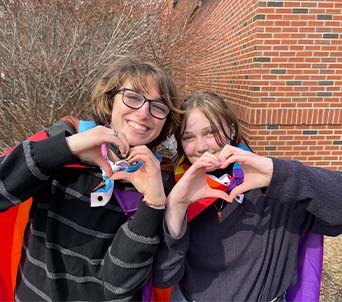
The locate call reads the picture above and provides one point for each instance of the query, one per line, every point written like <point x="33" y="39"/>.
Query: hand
<point x="147" y="179"/>
<point x="193" y="185"/>
<point x="87" y="145"/>
<point x="258" y="170"/>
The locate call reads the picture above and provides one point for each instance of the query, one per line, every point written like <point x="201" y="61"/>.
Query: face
<point x="198" y="136"/>
<point x="139" y="126"/>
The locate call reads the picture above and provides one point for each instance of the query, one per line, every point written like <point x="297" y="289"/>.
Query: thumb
<point x="105" y="166"/>
<point x="221" y="194"/>
<point x="120" y="175"/>
<point x="236" y="191"/>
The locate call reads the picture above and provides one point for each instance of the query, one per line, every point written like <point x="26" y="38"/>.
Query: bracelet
<point x="160" y="206"/>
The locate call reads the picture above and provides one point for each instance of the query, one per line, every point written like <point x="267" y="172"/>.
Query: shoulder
<point x="68" y="125"/>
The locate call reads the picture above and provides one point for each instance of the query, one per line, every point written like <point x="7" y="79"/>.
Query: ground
<point x="331" y="290"/>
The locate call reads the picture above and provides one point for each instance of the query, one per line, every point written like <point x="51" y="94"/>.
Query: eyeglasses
<point x="134" y="100"/>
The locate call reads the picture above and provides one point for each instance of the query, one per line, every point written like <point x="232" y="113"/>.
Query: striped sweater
<point x="71" y="251"/>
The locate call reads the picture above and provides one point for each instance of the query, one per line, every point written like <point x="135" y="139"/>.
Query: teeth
<point x="137" y="126"/>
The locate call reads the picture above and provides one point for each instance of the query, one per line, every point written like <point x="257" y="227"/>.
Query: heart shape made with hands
<point x="235" y="176"/>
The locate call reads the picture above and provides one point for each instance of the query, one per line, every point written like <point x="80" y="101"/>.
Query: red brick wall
<point x="279" y="64"/>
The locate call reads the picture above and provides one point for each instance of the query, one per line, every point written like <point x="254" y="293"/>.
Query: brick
<point x="310" y="132"/>
<point x="259" y="17"/>
<point x="325" y="83"/>
<point x="262" y="59"/>
<point x="275" y="4"/>
<point x="330" y="36"/>
<point x="293" y="83"/>
<point x="300" y="11"/>
<point x="324" y="17"/>
<point x="324" y="94"/>
<point x="270" y="126"/>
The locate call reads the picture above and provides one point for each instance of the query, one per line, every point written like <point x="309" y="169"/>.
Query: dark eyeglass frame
<point x="123" y="90"/>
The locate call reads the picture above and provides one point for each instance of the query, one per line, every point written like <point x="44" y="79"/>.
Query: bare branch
<point x="51" y="52"/>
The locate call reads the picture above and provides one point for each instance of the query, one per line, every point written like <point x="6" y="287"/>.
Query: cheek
<point x="119" y="111"/>
<point x="116" y="109"/>
<point x="213" y="145"/>
<point x="188" y="148"/>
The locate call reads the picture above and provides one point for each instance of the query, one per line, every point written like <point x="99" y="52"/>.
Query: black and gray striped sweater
<point x="72" y="252"/>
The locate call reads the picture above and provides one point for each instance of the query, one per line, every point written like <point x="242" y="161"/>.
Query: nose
<point x="144" y="111"/>
<point x="201" y="146"/>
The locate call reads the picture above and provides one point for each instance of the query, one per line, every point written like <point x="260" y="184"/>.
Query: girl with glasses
<point x="91" y="234"/>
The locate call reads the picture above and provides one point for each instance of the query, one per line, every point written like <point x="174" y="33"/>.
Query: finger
<point x="105" y="166"/>
<point x="208" y="166"/>
<point x="233" y="159"/>
<point x="229" y="151"/>
<point x="221" y="194"/>
<point x="199" y="168"/>
<point x="226" y="153"/>
<point x="241" y="189"/>
<point x="122" y="176"/>
<point x="208" y="159"/>
<point x="208" y="155"/>
<point x="113" y="152"/>
<point x="118" y="140"/>
<point x="125" y="145"/>
<point x="145" y="155"/>
<point x="118" y="147"/>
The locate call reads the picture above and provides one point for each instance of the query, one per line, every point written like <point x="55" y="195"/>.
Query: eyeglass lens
<point x="135" y="100"/>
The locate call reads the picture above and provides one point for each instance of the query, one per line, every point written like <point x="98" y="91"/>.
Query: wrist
<point x="159" y="205"/>
<point x="176" y="203"/>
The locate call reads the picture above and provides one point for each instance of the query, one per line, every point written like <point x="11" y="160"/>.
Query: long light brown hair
<point x="222" y="119"/>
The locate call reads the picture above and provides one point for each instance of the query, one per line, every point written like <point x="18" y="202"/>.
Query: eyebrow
<point x="203" y="130"/>
<point x="143" y="92"/>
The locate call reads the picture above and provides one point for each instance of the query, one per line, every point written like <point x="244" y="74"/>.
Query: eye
<point x="210" y="133"/>
<point x="160" y="107"/>
<point x="132" y="97"/>
<point x="187" y="138"/>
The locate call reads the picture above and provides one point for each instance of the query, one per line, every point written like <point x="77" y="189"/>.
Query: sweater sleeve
<point x="318" y="191"/>
<point x="133" y="249"/>
<point x="128" y="262"/>
<point x="169" y="265"/>
<point x="27" y="168"/>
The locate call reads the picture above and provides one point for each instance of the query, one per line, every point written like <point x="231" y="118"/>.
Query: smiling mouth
<point x="136" y="126"/>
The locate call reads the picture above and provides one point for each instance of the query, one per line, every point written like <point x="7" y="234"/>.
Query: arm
<point x="128" y="262"/>
<point x="316" y="190"/>
<point x="169" y="265"/>
<point x="27" y="168"/>
<point x="133" y="249"/>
